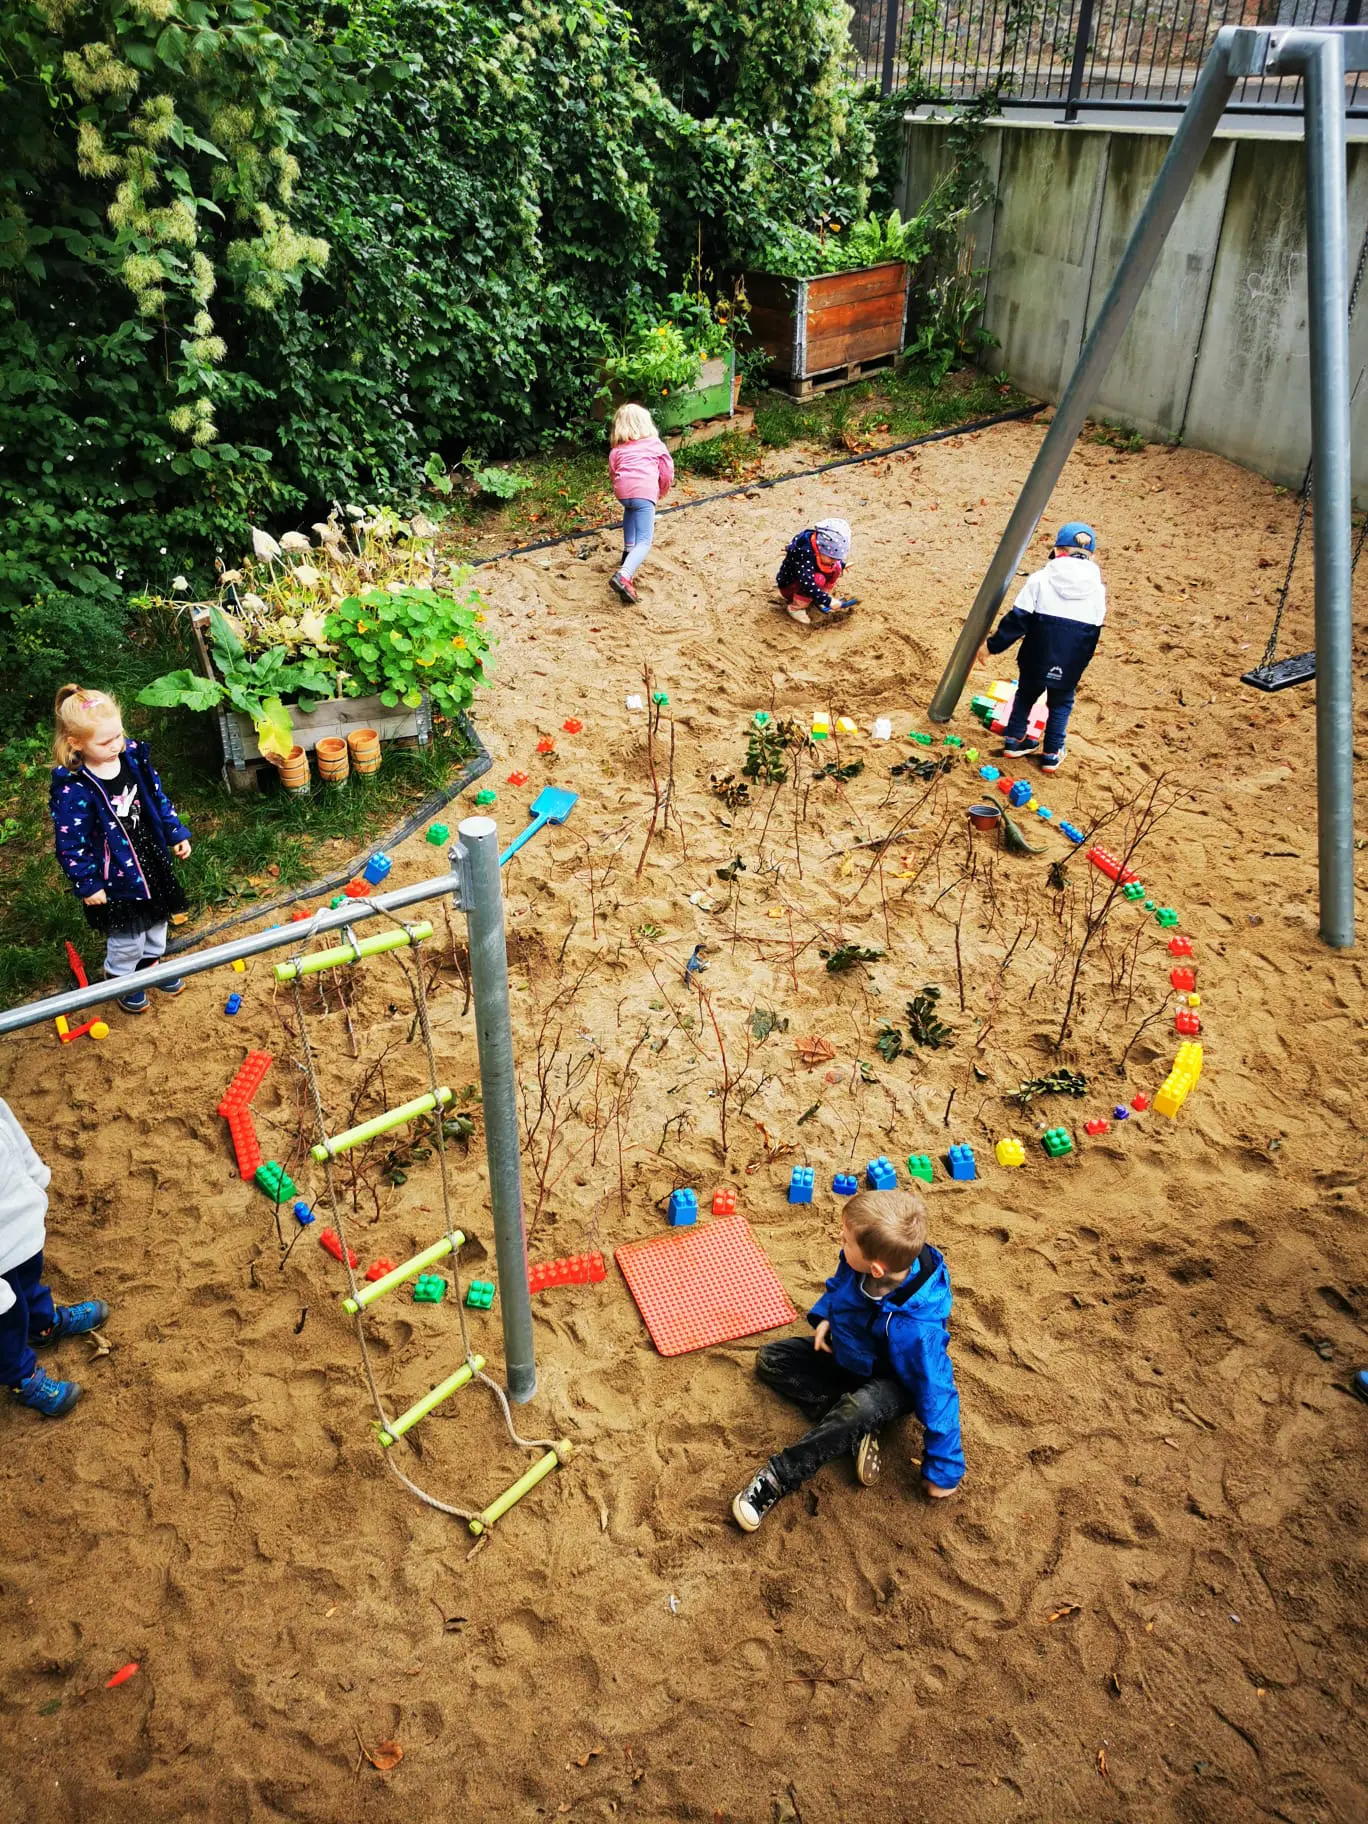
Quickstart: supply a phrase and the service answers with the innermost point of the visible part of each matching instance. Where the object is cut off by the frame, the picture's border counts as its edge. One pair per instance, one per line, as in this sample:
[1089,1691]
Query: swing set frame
[1320,57]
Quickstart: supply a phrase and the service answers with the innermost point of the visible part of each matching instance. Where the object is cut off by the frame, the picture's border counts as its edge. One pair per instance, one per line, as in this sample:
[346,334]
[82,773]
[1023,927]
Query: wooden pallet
[835,377]
[707,428]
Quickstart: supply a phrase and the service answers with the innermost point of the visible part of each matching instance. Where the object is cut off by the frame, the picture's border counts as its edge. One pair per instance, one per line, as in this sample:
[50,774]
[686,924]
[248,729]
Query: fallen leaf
[387,1756]
[814,1050]
[1102,1762]
[122,1676]
[331,1611]
[1070,1608]
[583,1760]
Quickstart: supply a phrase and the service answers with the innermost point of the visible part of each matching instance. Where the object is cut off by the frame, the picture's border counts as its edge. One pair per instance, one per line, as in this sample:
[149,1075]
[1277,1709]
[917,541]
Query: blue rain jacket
[1057,616]
[91,845]
[905,1334]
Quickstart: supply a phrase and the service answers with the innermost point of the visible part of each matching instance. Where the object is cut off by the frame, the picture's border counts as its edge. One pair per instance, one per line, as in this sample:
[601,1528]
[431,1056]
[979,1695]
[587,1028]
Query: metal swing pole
[1321,57]
[476,860]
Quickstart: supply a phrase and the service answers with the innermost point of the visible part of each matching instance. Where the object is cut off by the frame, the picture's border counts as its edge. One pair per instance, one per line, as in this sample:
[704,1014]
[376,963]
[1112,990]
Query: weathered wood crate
[243,762]
[830,330]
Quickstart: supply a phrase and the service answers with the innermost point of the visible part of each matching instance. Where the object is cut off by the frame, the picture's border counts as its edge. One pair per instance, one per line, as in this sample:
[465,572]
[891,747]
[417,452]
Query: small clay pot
[985,816]
[365,750]
[294,771]
[331,755]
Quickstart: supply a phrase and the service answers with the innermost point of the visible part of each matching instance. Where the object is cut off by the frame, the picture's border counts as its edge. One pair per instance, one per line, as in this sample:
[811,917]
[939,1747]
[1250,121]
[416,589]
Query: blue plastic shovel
[551,805]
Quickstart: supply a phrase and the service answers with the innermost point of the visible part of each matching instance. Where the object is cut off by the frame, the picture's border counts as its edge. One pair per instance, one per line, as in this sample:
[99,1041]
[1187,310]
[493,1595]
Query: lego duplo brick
[920,1166]
[801,1184]
[962,1164]
[710,1284]
[881,1174]
[1010,1152]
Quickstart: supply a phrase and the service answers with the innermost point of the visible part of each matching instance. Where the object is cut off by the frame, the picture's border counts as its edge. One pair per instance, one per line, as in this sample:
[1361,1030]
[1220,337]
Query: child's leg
[154,944]
[811,1378]
[866,1407]
[638,529]
[1029,686]
[31,1311]
[1060,704]
[124,951]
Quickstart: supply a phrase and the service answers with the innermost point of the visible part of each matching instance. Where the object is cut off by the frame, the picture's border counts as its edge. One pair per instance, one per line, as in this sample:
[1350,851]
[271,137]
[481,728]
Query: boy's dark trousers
[844,1406]
[31,1312]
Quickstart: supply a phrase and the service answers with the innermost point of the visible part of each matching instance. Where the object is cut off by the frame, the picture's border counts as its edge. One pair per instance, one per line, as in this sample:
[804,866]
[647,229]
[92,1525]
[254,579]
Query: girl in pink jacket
[643,471]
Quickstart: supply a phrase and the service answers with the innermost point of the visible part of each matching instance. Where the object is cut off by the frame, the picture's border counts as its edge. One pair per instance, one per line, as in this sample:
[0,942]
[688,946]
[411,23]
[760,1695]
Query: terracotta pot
[365,750]
[293,770]
[985,816]
[331,755]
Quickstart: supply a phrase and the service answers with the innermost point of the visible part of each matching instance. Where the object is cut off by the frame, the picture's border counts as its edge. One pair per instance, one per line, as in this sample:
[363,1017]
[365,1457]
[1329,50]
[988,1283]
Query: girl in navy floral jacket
[116,832]
[812,566]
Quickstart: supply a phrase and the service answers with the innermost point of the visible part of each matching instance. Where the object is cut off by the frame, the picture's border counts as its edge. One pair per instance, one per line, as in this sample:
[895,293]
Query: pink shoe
[624,586]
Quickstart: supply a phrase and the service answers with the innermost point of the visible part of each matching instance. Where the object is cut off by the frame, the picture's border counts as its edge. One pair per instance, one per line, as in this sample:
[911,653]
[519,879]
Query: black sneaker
[756,1499]
[866,1454]
[1051,763]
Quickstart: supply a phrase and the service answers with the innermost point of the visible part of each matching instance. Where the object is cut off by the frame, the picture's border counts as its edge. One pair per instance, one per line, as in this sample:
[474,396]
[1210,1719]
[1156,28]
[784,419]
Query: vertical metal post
[892,22]
[1200,120]
[476,859]
[1320,58]
[1080,52]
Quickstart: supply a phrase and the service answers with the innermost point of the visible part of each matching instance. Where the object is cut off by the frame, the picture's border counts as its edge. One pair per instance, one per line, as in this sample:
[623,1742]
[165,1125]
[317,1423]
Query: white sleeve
[7,1298]
[1025,602]
[33,1165]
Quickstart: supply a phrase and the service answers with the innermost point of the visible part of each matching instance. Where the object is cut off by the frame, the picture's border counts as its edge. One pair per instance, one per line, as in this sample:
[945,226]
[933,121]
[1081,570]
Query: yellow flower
[479,619]
[664,392]
[418,661]
[363,626]
[835,227]
[459,642]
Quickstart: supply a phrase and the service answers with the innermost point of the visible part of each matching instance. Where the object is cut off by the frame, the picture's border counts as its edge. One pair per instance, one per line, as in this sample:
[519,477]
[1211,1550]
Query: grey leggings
[124,950]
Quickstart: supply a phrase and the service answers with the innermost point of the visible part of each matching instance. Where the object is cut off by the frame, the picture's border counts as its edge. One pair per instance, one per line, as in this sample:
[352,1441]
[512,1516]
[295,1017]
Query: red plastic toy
[1096,1126]
[1180,946]
[234,1107]
[1110,866]
[1184,980]
[572,725]
[517,778]
[570,1270]
[77,966]
[1005,785]
[1140,1103]
[357,889]
[298,916]
[546,745]
[377,1269]
[328,1239]
[724,1203]
[1187,1023]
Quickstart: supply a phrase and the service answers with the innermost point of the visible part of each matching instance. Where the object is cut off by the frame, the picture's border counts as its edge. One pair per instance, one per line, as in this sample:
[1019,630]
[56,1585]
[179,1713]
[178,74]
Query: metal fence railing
[1076,55]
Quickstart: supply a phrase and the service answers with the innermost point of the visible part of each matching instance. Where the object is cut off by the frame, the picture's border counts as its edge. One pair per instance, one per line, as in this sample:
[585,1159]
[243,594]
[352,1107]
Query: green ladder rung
[410,1269]
[560,1452]
[421,1408]
[352,953]
[381,1124]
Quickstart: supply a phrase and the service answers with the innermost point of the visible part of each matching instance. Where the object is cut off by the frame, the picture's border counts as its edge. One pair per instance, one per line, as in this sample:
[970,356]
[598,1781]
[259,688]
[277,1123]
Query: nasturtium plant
[402,641]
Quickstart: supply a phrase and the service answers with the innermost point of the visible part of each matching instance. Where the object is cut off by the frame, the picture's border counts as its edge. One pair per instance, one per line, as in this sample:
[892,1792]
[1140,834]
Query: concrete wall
[1216,353]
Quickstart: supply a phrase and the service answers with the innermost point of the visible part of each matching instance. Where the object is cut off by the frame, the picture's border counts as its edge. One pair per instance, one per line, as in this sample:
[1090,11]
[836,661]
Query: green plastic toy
[439,833]
[275,1181]
[921,740]
[486,797]
[429,1289]
[1133,890]
[920,1166]
[660,699]
[479,1294]
[954,741]
[1165,916]
[1057,1141]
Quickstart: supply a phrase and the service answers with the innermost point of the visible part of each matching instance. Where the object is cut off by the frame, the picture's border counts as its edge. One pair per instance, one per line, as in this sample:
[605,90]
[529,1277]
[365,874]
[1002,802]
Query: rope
[1271,649]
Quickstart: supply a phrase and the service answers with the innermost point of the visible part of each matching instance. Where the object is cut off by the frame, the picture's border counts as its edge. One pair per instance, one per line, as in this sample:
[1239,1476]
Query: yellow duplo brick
[1010,1152]
[844,726]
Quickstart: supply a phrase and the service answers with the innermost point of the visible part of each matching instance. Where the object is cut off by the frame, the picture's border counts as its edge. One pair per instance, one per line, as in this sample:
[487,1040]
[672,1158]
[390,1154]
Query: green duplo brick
[921,740]
[1057,1141]
[480,1294]
[1133,890]
[275,1181]
[429,1289]
[1165,916]
[920,1166]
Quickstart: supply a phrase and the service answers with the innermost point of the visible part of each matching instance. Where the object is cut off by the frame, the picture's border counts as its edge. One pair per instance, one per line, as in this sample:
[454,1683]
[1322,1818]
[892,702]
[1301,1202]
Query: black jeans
[844,1406]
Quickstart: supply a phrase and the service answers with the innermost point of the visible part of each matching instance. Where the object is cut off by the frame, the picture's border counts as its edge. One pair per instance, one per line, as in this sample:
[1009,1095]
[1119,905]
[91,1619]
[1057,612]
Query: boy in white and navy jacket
[28,1317]
[1058,617]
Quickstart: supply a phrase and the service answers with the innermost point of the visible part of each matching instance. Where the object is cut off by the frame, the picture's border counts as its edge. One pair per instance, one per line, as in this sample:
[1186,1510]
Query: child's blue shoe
[1359,1383]
[175,987]
[1051,763]
[1023,744]
[43,1394]
[72,1320]
[135,1001]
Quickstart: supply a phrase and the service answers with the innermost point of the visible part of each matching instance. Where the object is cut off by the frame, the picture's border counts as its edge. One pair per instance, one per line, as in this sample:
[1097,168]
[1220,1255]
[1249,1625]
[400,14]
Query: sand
[1147,1601]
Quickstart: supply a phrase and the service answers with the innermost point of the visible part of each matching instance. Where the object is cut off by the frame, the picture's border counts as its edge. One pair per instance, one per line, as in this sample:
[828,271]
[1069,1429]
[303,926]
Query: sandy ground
[1147,1602]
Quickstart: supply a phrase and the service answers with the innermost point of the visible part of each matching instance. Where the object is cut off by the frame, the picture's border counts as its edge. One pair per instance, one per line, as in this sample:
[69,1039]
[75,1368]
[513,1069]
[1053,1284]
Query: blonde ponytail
[78,713]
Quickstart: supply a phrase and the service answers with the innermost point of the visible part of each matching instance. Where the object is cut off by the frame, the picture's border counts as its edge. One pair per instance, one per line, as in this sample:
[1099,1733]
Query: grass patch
[246,848]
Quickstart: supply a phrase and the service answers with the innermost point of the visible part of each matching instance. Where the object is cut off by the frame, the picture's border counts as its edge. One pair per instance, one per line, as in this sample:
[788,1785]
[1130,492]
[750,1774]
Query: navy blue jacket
[799,570]
[1058,617]
[905,1333]
[91,844]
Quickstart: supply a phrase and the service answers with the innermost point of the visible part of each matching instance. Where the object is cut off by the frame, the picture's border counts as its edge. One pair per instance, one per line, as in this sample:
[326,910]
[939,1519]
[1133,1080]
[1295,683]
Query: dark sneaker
[1014,750]
[43,1394]
[135,1001]
[755,1500]
[72,1320]
[867,1459]
[624,587]
[1051,763]
[175,987]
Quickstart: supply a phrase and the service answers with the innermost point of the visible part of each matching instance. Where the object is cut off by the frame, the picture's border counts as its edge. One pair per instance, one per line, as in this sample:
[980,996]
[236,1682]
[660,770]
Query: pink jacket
[641,470]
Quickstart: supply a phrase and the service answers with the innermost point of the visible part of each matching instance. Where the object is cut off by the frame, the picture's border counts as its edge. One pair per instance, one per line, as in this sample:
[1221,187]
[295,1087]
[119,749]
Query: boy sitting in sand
[812,566]
[880,1349]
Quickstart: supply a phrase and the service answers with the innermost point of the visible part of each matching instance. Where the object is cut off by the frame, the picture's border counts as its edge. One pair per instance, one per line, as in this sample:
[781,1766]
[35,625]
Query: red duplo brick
[1096,1126]
[1180,946]
[329,1240]
[1184,980]
[1186,1022]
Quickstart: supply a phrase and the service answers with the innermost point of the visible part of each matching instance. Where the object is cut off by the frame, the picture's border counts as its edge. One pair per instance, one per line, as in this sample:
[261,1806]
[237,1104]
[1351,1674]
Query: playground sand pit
[1147,1601]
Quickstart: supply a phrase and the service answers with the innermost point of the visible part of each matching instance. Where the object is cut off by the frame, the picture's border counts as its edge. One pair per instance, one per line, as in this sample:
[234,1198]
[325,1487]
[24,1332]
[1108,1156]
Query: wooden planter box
[821,332]
[242,756]
[711,398]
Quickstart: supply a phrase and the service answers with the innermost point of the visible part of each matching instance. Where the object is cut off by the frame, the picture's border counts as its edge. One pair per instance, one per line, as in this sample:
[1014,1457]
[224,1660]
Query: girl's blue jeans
[1059,704]
[638,529]
[31,1311]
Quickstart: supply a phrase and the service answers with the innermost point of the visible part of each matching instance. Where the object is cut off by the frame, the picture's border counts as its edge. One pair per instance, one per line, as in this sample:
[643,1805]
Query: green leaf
[224,637]
[182,689]
[274,729]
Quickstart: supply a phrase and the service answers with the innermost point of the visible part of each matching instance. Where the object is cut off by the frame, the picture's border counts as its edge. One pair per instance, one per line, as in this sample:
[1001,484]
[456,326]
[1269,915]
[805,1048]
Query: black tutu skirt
[125,917]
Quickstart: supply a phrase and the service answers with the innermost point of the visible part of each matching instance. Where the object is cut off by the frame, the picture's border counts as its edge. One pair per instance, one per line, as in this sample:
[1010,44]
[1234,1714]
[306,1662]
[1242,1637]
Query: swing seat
[1300,669]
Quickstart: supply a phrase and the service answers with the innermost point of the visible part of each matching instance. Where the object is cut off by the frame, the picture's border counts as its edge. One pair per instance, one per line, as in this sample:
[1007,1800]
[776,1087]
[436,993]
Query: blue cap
[1076,536]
